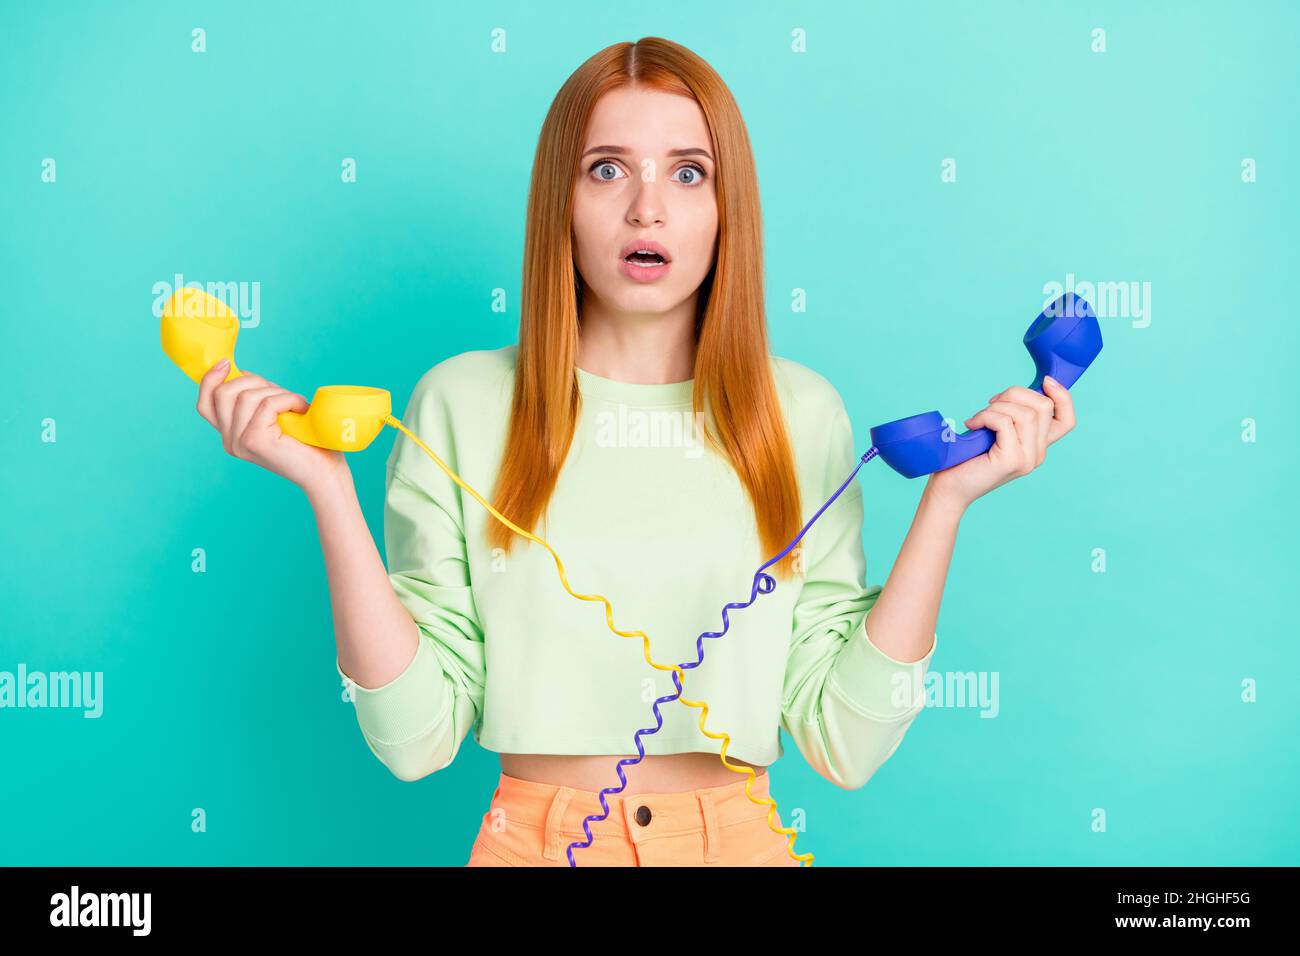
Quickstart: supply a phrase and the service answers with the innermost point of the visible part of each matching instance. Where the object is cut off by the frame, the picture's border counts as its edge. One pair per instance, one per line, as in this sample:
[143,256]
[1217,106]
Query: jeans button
[643,815]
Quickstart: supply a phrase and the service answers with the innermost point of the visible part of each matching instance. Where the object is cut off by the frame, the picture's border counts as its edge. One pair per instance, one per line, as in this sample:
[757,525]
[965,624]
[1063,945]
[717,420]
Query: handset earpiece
[1063,341]
[199,330]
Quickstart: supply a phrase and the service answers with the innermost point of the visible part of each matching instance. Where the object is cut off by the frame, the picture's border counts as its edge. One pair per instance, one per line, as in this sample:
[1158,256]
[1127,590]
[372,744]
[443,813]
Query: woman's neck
[644,348]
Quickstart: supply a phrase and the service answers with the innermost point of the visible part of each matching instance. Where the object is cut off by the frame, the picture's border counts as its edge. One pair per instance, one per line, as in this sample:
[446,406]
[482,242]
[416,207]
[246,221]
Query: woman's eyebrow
[622,150]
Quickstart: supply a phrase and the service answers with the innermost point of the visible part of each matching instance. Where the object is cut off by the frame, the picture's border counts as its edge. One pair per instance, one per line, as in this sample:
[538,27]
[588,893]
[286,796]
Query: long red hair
[734,389]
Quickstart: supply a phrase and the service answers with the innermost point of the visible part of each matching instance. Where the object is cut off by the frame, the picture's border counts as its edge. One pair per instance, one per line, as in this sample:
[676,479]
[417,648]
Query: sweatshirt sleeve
[845,703]
[416,722]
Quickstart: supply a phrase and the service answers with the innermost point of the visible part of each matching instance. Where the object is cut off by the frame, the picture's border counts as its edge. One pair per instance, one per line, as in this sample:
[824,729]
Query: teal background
[1119,690]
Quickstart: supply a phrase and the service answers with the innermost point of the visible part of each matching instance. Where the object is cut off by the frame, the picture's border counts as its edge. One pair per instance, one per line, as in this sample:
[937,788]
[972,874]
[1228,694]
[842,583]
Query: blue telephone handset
[1062,341]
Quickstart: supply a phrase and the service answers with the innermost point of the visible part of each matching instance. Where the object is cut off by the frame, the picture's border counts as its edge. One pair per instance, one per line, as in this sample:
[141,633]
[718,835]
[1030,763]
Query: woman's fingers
[1020,456]
[223,402]
[1042,407]
[207,385]
[246,405]
[262,427]
[1005,436]
[1063,409]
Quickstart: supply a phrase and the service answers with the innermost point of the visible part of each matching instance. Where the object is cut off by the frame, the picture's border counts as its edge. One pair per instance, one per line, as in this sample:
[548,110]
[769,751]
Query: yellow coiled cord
[803,858]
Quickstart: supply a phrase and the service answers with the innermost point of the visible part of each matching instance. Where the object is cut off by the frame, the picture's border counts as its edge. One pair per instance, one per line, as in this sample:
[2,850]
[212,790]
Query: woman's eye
[696,175]
[605,170]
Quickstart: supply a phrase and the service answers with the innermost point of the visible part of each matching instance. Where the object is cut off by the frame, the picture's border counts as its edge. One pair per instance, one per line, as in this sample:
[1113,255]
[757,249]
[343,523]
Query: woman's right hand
[245,411]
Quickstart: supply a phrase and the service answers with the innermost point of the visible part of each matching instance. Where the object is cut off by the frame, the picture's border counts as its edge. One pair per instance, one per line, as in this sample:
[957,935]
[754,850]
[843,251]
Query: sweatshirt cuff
[408,705]
[877,684]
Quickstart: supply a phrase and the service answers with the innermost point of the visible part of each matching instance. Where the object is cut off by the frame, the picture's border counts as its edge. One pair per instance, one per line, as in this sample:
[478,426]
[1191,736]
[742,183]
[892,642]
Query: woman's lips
[648,272]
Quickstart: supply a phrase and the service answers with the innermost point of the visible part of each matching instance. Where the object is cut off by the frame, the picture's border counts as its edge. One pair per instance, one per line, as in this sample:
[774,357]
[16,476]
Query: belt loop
[555,844]
[712,839]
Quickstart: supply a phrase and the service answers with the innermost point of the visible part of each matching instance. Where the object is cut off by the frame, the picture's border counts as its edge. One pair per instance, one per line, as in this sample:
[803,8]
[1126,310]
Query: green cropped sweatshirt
[647,514]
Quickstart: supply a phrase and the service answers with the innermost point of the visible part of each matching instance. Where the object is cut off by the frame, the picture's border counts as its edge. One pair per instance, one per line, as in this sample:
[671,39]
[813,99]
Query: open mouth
[645,259]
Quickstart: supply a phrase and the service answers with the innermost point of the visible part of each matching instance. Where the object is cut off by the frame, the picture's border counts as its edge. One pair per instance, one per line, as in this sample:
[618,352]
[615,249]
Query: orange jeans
[532,824]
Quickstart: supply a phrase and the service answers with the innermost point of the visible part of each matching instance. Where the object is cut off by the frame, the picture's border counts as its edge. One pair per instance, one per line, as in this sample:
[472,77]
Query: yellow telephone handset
[199,330]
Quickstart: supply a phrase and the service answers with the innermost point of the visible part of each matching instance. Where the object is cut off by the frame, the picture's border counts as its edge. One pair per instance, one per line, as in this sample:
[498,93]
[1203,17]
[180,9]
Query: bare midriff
[656,773]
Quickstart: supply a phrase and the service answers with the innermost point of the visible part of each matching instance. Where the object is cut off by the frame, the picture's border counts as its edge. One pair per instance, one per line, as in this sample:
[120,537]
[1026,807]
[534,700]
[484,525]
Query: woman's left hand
[1025,423]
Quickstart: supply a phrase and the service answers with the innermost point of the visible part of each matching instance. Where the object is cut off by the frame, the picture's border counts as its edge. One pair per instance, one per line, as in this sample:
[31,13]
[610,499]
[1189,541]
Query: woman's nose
[647,203]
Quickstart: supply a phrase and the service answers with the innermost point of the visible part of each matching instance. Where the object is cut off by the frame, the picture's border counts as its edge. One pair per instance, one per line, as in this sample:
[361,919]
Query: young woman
[641,427]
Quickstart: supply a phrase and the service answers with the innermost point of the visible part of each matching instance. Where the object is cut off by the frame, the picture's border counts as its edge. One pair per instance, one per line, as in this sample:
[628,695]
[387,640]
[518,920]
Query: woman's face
[646,175]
